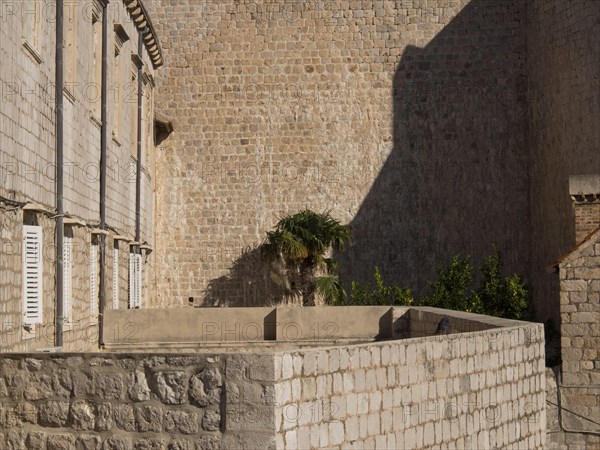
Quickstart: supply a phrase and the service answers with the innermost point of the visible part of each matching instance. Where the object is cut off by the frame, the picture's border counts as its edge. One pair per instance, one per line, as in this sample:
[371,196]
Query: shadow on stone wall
[260,281]
[456,178]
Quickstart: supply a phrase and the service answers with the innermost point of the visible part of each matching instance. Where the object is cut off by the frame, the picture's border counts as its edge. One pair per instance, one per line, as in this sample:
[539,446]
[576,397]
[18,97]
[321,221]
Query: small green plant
[379,294]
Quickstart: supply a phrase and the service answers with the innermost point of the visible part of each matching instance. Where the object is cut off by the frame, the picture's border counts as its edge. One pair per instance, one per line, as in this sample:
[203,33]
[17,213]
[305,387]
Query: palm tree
[303,240]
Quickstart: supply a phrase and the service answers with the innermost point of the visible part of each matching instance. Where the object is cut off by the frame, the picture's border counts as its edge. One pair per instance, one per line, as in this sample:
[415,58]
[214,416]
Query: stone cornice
[141,20]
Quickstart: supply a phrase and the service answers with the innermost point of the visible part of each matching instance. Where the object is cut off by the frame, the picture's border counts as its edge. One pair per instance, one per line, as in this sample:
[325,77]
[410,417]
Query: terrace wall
[483,389]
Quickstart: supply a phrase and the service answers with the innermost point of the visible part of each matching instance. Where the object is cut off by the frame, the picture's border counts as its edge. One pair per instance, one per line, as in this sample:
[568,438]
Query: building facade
[108,225]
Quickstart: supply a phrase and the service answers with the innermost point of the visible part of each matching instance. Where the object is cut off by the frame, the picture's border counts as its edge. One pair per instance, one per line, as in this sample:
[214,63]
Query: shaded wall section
[407,119]
[456,179]
[564,98]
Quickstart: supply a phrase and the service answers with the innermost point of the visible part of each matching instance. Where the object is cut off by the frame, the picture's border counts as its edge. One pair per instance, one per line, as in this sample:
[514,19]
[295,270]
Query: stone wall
[559,435]
[407,119]
[564,136]
[478,390]
[587,218]
[580,340]
[125,402]
[481,389]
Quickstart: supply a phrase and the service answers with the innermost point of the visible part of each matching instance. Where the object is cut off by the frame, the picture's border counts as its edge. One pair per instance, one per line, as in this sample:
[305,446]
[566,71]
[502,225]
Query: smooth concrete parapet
[189,325]
[326,324]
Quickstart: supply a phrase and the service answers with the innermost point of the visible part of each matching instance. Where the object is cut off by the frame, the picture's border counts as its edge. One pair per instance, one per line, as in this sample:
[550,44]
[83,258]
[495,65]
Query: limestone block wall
[476,390]
[580,340]
[113,402]
[406,118]
[559,431]
[564,136]
[483,389]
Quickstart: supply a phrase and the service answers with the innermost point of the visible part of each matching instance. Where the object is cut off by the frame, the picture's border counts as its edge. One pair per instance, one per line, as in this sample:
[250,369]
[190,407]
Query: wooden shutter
[32,274]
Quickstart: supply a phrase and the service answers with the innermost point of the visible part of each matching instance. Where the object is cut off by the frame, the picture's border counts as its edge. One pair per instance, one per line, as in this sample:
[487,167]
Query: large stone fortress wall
[564,98]
[406,118]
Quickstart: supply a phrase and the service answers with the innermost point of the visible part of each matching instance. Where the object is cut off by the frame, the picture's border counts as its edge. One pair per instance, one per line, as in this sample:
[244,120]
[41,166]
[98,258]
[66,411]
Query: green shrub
[452,290]
[379,294]
[496,295]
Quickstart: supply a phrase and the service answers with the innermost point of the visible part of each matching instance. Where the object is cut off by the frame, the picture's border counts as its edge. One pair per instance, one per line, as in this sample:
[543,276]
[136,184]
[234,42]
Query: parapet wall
[475,390]
[482,389]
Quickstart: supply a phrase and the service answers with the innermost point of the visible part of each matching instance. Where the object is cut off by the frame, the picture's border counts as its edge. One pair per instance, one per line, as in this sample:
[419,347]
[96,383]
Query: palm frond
[331,289]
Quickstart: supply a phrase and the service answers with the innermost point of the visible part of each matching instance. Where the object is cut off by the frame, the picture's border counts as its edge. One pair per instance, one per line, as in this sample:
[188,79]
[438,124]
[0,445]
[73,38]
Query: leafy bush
[379,294]
[453,290]
[496,295]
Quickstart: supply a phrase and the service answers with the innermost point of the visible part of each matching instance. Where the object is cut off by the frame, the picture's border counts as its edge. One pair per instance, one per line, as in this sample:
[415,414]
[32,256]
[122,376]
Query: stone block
[40,386]
[124,418]
[53,414]
[139,391]
[36,440]
[109,386]
[205,387]
[170,387]
[149,444]
[208,442]
[82,415]
[117,443]
[211,421]
[181,422]
[574,285]
[60,442]
[148,418]
[87,442]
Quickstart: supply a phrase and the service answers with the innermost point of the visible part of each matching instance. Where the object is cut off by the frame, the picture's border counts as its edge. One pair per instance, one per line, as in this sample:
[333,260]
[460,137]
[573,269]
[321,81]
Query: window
[148,122]
[67,274]
[131,98]
[117,96]
[116,275]
[32,274]
[94,251]
[120,38]
[31,14]
[135,280]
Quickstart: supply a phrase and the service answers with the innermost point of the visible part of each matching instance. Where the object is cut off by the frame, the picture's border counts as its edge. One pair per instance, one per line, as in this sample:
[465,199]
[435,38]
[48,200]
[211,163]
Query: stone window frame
[121,37]
[32,27]
[96,61]
[70,45]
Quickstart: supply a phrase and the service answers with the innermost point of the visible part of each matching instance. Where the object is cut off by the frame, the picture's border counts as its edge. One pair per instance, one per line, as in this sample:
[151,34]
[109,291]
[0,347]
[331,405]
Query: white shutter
[116,276]
[131,280]
[67,277]
[32,274]
[93,280]
[135,280]
[138,280]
